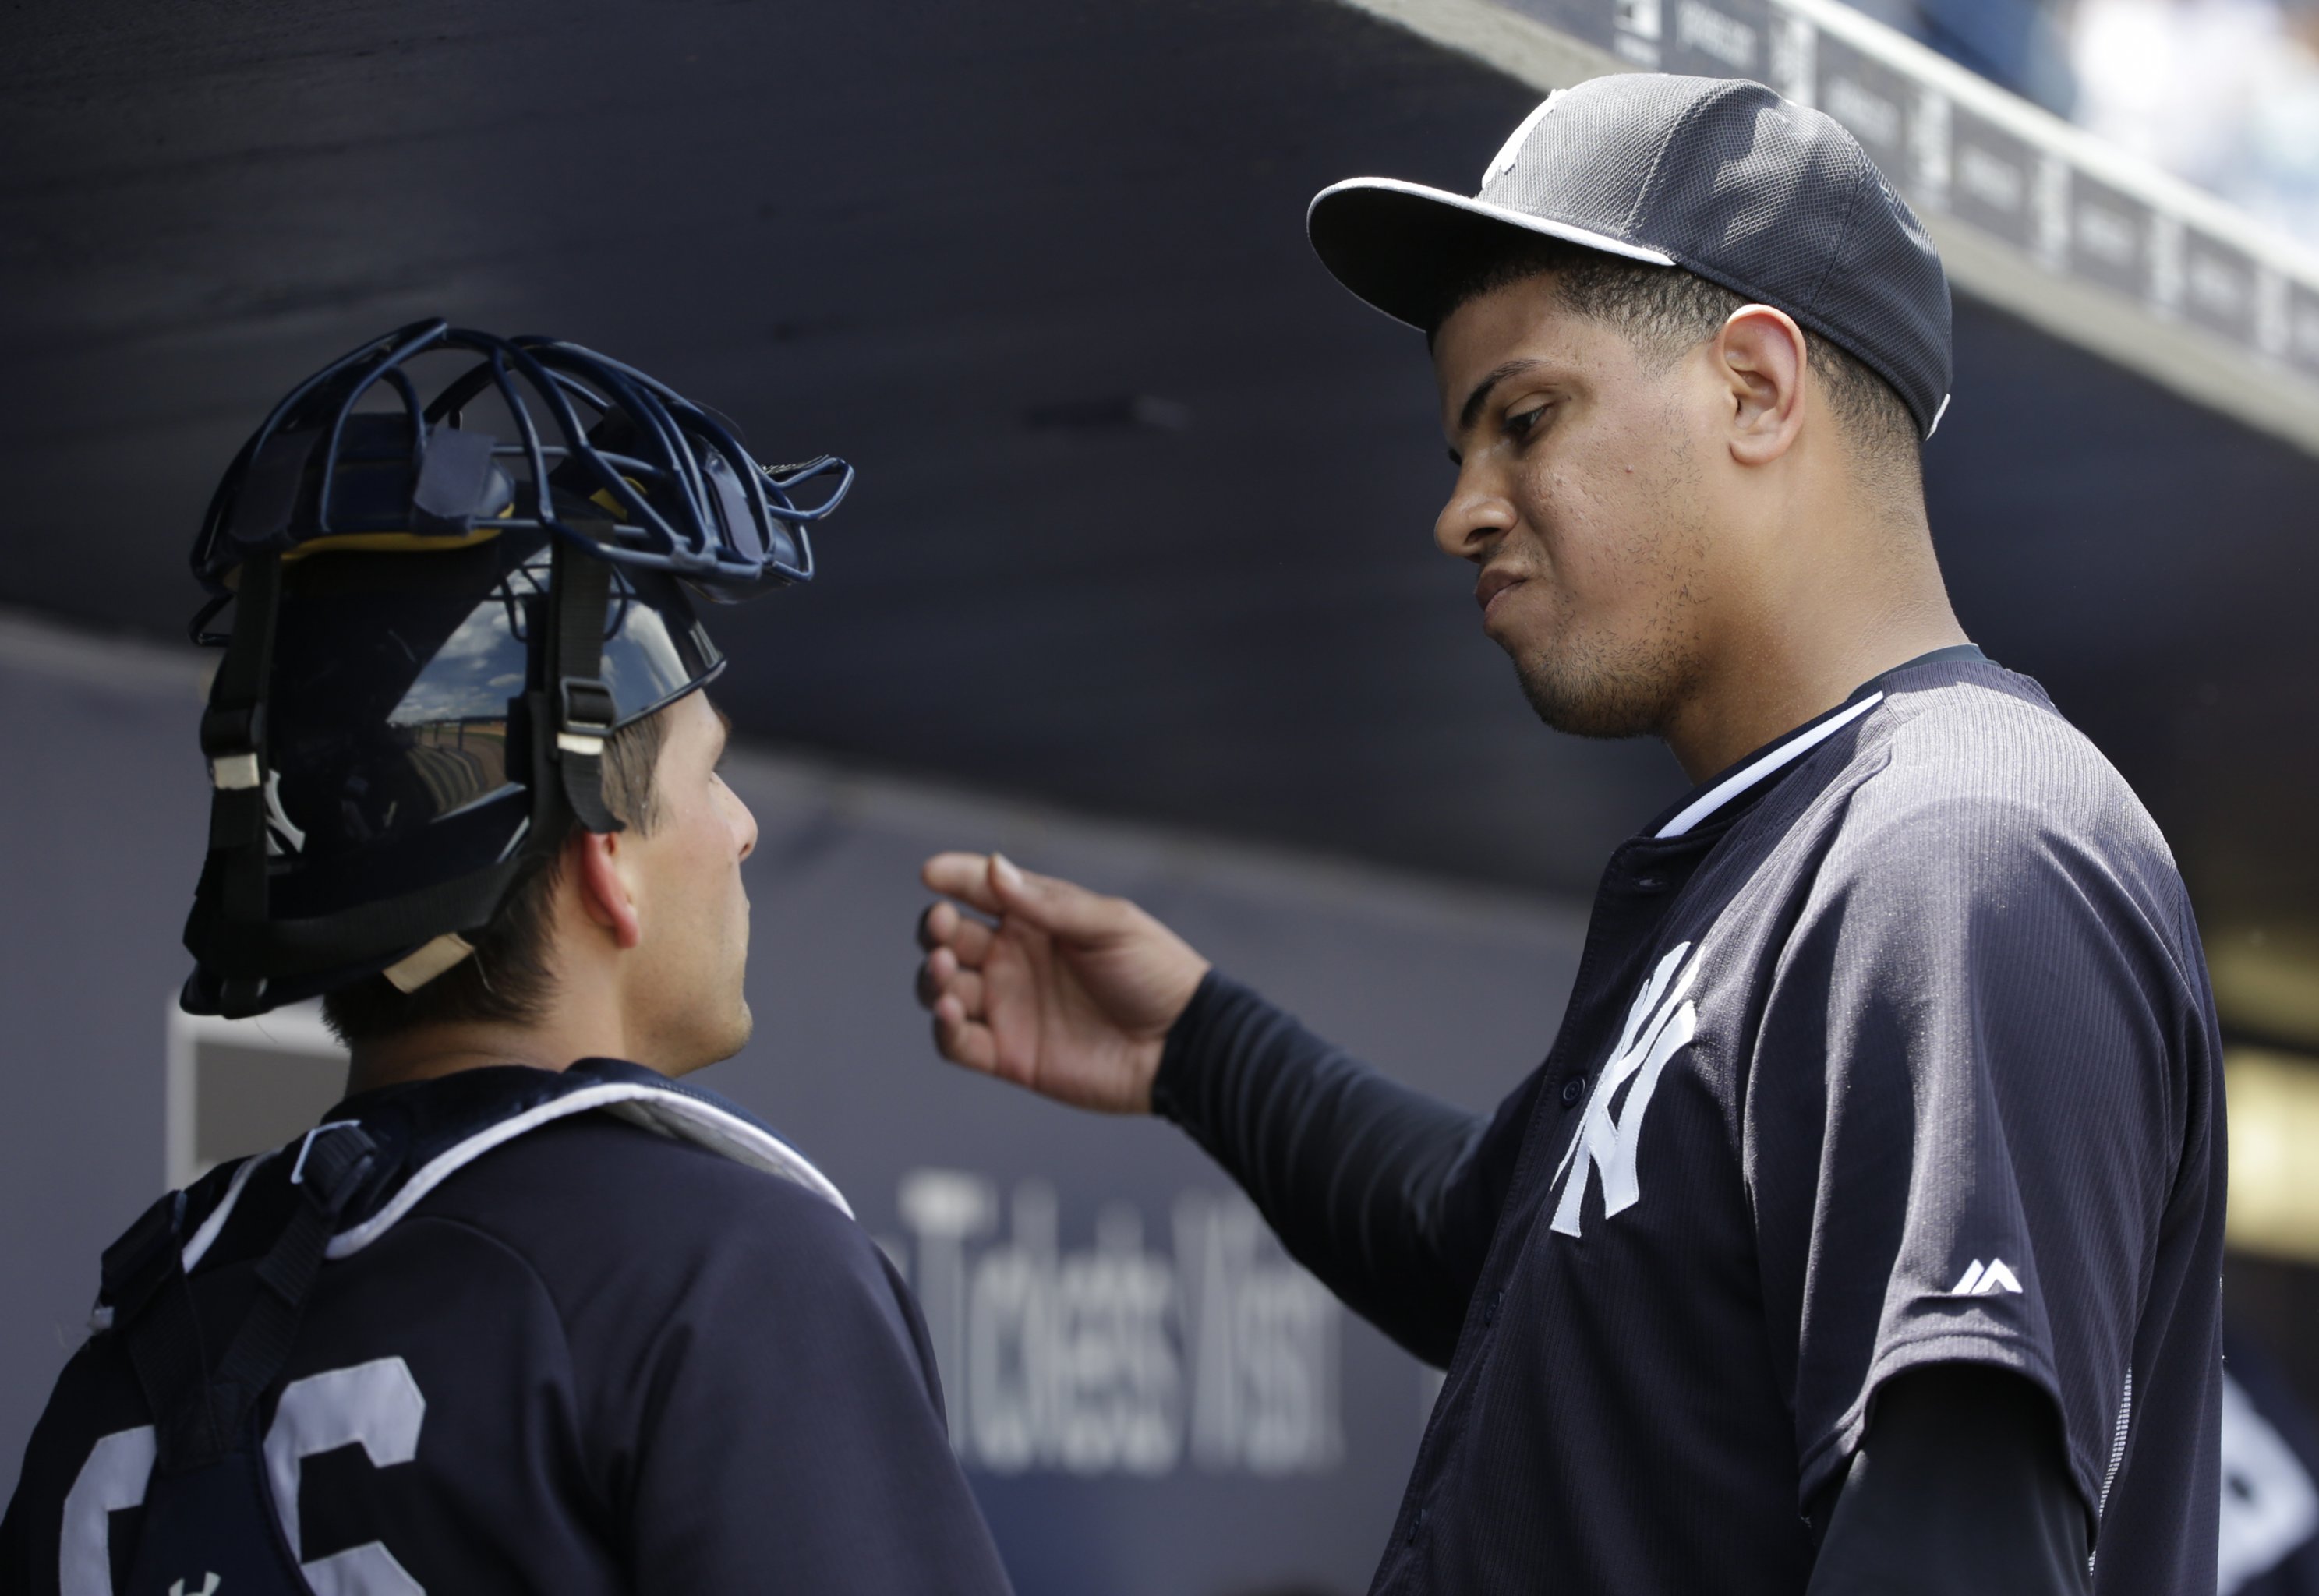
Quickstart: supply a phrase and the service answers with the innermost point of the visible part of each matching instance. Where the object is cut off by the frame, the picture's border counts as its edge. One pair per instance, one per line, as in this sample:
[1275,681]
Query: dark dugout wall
[1149,1396]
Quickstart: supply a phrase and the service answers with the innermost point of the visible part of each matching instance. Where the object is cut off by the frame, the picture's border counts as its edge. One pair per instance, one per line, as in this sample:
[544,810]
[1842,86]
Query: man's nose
[1472,522]
[748,827]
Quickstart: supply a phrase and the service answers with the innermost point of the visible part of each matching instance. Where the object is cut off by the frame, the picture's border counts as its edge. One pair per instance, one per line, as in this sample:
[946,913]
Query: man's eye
[1520,425]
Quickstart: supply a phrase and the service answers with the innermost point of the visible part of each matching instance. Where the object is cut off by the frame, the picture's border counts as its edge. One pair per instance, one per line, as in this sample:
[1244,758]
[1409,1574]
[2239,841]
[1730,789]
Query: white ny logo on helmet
[209,1587]
[1658,1026]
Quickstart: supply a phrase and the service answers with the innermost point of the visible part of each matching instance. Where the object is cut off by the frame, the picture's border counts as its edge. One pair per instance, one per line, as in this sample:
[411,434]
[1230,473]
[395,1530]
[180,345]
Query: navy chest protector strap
[207,1507]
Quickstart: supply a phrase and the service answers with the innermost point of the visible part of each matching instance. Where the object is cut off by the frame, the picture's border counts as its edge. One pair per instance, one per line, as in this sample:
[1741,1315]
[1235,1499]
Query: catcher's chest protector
[216,1491]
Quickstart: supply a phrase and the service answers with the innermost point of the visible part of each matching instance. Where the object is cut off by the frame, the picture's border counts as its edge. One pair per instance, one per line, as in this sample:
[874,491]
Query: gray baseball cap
[1719,176]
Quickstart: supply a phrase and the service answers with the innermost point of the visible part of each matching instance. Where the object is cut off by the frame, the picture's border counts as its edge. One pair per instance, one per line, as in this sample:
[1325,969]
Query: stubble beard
[1601,682]
[1588,692]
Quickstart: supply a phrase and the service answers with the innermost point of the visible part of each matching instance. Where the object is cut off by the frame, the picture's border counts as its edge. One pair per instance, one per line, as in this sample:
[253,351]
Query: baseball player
[523,1312]
[1862,1230]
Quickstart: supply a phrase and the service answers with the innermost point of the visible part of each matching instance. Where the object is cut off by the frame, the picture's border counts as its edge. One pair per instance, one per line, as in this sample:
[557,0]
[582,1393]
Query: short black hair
[507,977]
[1664,310]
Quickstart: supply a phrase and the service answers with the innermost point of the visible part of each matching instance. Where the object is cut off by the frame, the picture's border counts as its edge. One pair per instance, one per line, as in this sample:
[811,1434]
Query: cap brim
[1404,247]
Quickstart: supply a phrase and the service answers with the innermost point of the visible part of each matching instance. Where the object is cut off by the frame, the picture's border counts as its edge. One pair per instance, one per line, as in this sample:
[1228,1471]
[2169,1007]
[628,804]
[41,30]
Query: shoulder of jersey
[1993,738]
[605,1145]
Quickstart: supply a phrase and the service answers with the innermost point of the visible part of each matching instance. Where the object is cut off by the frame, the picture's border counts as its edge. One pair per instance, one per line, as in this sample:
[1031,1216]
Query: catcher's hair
[1666,311]
[507,978]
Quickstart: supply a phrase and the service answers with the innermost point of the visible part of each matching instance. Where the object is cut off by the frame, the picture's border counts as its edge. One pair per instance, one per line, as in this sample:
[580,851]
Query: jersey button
[1572,1090]
[1416,1525]
[1489,1310]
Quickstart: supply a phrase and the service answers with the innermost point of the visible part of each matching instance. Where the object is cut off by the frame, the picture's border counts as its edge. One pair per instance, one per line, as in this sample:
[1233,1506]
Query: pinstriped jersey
[1892,1046]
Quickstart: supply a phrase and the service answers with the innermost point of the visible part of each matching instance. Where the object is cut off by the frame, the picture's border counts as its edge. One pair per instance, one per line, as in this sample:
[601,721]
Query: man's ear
[595,860]
[1760,357]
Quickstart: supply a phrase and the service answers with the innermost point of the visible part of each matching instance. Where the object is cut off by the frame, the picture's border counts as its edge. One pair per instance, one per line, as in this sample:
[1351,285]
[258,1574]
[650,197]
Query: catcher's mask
[434,632]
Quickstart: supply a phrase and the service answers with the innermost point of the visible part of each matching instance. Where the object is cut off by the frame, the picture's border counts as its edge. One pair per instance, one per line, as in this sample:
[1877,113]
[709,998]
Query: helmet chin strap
[583,710]
[415,969]
[233,737]
[580,705]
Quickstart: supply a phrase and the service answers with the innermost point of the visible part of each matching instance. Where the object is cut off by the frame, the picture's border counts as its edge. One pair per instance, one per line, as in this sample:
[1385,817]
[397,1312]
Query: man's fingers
[966,985]
[962,1041]
[970,941]
[939,976]
[996,885]
[962,876]
[936,921]
[935,972]
[1051,903]
[942,926]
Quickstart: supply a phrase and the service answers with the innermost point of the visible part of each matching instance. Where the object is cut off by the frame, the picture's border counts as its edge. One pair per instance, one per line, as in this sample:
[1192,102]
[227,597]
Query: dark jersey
[1892,1046]
[591,1359]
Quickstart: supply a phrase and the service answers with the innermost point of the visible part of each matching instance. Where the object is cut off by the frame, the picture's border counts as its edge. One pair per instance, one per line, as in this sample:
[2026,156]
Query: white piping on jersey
[672,1114]
[1787,754]
[2116,1445]
[2117,1457]
[208,1233]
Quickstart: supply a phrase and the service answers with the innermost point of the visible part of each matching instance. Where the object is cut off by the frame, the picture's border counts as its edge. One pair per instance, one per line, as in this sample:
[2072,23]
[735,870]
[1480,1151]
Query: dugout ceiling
[1143,518]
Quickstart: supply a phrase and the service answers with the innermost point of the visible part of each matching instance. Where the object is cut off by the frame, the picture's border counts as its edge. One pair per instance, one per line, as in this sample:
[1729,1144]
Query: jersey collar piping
[1764,765]
[431,1130]
[1751,772]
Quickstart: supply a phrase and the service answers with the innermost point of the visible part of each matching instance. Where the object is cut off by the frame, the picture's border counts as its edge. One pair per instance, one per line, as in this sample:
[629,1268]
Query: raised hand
[1069,993]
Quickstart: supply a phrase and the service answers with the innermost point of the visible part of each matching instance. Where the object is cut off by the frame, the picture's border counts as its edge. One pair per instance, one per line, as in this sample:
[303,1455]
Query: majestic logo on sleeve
[1978,1281]
[1659,1026]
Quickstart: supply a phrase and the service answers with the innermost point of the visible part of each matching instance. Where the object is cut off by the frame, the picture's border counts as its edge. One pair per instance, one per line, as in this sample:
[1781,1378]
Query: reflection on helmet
[395,680]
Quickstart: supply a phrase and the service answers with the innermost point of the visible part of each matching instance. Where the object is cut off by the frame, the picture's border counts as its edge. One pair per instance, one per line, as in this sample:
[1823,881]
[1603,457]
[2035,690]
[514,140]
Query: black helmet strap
[579,707]
[233,739]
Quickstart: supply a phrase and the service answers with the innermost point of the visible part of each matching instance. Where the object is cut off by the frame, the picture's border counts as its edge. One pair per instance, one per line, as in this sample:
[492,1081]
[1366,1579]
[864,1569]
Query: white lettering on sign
[2106,235]
[1870,115]
[1121,1358]
[1994,182]
[2217,286]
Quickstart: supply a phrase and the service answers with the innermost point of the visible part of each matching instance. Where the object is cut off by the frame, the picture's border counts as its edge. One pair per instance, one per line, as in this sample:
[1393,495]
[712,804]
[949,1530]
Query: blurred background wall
[1137,585]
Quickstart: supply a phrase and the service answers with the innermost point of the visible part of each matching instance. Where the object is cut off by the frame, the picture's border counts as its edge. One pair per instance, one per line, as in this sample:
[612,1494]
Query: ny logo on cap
[1510,151]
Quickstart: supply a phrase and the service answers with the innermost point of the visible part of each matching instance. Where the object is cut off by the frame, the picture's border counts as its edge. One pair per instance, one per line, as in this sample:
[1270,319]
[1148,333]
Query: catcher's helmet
[435,630]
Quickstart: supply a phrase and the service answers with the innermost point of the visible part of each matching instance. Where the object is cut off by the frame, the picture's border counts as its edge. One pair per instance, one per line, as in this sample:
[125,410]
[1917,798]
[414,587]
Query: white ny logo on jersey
[1656,1030]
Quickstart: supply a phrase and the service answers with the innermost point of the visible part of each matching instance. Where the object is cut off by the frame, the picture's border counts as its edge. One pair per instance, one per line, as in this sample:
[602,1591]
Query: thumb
[1064,908]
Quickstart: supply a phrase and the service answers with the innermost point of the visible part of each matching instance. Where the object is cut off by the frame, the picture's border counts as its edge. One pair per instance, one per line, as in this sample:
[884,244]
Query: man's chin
[1600,704]
[715,1047]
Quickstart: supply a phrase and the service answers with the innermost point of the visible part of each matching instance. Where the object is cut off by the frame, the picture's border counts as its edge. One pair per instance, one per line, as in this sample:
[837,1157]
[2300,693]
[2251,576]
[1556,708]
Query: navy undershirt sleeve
[1958,1486]
[1387,1196]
